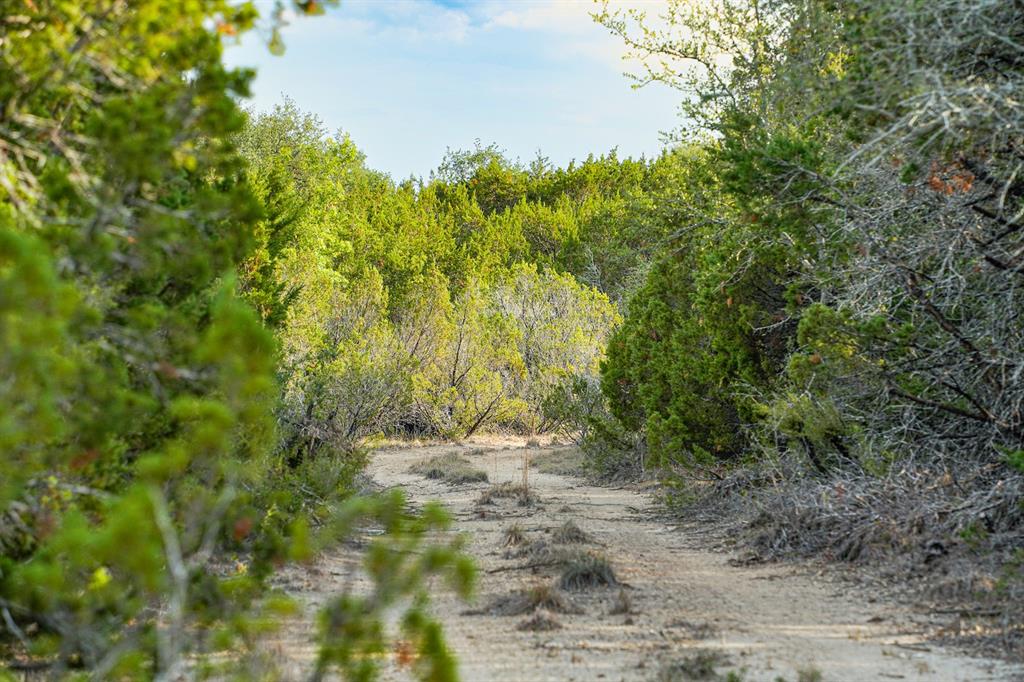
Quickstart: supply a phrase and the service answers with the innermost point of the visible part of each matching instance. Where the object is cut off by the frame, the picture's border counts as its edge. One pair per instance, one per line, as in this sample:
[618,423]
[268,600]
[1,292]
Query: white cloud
[561,16]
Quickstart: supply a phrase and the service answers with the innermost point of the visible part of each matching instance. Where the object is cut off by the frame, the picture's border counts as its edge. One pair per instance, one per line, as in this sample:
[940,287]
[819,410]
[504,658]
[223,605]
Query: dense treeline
[434,308]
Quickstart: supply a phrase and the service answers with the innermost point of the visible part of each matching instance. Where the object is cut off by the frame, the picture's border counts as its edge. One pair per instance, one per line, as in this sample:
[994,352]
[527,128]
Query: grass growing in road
[516,491]
[570,534]
[539,622]
[540,596]
[513,536]
[584,571]
[702,665]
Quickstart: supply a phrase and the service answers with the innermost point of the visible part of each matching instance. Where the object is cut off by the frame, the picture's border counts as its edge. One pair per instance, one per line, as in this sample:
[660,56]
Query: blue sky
[409,78]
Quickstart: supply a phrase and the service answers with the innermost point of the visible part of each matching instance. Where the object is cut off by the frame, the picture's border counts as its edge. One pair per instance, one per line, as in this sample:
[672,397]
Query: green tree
[139,385]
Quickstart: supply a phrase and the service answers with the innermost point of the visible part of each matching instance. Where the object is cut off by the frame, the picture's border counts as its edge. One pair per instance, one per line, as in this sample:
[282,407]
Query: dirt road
[688,607]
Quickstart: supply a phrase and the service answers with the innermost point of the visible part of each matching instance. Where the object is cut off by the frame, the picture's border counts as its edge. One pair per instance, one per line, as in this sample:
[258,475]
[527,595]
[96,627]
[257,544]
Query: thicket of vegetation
[145,493]
[833,328]
[435,308]
[846,271]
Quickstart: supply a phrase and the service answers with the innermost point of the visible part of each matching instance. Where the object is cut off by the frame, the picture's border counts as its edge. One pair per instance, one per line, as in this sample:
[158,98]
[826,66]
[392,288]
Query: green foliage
[270,296]
[400,563]
[137,409]
[429,310]
[712,325]
[561,328]
[473,380]
[847,253]
[662,375]
[118,240]
[1016,459]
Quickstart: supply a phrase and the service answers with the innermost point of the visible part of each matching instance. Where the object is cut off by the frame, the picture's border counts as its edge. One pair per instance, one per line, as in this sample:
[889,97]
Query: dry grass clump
[541,553]
[507,490]
[513,536]
[570,534]
[703,665]
[562,462]
[580,570]
[540,596]
[539,622]
[451,468]
[584,571]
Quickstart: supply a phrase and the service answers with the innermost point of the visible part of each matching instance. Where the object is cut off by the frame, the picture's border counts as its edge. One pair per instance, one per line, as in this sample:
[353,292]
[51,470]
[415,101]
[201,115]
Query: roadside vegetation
[826,353]
[155,473]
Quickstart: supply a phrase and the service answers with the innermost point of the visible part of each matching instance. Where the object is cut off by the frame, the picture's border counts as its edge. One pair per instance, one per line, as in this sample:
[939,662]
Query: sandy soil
[765,622]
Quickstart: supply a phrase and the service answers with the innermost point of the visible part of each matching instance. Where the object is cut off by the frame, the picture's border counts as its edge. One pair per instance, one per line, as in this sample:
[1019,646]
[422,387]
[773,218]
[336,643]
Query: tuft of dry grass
[451,468]
[539,622]
[570,534]
[516,491]
[809,675]
[584,571]
[540,596]
[513,536]
[540,553]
